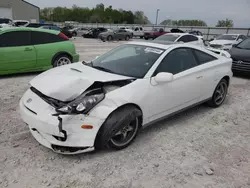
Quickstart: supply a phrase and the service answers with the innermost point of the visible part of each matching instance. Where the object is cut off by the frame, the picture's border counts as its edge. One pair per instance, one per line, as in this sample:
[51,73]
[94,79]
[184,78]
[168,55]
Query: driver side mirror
[163,77]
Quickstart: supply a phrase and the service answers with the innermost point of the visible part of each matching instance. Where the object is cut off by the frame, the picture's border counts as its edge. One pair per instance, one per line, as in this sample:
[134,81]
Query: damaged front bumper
[62,134]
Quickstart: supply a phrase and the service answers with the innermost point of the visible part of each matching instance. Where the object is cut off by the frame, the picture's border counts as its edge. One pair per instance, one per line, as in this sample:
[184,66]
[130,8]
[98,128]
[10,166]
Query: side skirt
[174,113]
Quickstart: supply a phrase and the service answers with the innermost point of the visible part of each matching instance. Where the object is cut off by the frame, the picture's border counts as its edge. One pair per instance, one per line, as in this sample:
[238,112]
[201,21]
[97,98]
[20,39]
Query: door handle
[199,77]
[28,49]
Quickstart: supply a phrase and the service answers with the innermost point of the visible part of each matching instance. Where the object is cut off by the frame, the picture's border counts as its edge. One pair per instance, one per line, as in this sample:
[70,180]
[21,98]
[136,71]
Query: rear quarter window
[44,38]
[203,57]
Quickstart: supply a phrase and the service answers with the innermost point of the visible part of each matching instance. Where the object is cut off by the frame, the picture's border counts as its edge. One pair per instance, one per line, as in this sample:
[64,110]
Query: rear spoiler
[220,52]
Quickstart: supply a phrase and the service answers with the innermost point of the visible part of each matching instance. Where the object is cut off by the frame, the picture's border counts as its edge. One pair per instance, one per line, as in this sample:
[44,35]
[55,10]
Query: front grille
[217,46]
[241,66]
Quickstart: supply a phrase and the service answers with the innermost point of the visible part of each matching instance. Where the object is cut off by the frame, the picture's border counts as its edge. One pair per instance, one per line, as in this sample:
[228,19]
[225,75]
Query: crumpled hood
[67,82]
[222,42]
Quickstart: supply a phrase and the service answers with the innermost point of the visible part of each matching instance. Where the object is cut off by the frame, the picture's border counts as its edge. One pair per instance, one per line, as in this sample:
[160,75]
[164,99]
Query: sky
[208,10]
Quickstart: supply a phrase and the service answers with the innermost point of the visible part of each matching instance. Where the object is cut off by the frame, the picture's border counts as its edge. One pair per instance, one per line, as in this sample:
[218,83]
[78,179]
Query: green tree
[98,14]
[225,23]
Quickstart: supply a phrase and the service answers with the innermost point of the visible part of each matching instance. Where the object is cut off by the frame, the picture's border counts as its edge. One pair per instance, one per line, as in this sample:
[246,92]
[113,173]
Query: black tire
[146,38]
[74,34]
[127,37]
[109,38]
[214,102]
[141,37]
[115,123]
[66,57]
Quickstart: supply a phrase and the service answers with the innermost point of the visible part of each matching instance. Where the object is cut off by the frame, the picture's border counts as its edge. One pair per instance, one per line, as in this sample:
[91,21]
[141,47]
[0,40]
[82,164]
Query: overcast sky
[207,10]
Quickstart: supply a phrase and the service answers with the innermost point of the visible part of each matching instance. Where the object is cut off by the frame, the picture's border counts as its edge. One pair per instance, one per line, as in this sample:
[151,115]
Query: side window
[141,28]
[184,38]
[15,38]
[44,38]
[136,29]
[192,38]
[177,61]
[203,57]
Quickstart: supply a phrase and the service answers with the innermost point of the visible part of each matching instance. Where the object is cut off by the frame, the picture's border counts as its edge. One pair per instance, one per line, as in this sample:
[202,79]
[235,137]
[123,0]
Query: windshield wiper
[103,69]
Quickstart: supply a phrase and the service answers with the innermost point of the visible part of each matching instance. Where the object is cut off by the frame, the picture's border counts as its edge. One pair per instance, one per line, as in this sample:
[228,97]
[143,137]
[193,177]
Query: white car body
[227,44]
[5,25]
[137,31]
[198,41]
[156,101]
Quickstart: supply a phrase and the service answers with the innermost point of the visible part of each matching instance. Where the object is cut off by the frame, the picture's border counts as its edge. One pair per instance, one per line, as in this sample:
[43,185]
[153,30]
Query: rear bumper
[46,130]
[76,58]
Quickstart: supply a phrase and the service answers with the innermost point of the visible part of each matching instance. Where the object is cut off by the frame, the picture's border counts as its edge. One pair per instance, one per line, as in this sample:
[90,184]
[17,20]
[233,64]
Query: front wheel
[219,94]
[120,129]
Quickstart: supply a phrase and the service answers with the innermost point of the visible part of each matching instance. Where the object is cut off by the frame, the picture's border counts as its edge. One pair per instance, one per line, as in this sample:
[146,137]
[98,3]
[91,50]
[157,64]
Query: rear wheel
[74,34]
[109,38]
[61,60]
[220,94]
[146,38]
[127,37]
[120,129]
[141,37]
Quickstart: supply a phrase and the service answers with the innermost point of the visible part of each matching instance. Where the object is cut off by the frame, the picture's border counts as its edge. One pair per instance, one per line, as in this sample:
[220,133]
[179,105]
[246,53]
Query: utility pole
[157,12]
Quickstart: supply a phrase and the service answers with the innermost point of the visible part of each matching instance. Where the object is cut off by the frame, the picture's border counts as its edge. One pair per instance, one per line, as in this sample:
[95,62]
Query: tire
[141,37]
[109,38]
[62,59]
[219,94]
[127,38]
[74,34]
[146,38]
[126,119]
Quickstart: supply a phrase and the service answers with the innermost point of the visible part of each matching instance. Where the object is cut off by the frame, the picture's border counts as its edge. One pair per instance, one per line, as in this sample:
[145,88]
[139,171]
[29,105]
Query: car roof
[9,29]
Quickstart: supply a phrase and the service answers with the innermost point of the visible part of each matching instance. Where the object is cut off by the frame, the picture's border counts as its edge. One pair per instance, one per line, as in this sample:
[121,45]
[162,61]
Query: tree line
[220,23]
[102,14]
[99,14]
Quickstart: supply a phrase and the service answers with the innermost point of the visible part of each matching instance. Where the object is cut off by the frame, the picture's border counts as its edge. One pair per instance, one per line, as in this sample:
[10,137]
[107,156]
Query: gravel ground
[200,148]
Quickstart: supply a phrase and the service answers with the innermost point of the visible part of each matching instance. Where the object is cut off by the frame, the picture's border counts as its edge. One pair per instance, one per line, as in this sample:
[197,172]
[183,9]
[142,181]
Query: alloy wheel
[63,61]
[220,93]
[126,134]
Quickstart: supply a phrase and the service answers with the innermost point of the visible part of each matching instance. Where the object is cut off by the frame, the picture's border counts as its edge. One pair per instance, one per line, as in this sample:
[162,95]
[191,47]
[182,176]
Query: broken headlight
[82,104]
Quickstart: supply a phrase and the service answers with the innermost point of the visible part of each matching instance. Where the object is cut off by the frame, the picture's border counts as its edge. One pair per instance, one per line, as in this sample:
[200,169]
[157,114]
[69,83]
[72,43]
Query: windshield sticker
[154,50]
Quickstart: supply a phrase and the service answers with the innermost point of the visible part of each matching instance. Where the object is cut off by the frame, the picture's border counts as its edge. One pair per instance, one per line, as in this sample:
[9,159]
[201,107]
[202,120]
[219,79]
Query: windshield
[227,37]
[168,37]
[128,60]
[245,44]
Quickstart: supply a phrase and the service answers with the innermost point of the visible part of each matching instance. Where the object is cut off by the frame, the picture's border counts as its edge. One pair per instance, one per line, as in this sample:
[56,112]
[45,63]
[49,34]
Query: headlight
[82,104]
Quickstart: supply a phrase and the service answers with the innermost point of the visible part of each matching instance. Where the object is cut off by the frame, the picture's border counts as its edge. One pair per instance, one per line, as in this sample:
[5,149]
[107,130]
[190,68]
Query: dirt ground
[200,148]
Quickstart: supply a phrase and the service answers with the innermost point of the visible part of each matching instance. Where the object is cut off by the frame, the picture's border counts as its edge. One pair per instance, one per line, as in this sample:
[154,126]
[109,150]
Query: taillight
[63,36]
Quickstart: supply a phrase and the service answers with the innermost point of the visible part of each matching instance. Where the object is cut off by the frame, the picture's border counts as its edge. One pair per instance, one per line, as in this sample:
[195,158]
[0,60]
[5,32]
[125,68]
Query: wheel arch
[227,78]
[61,53]
[113,111]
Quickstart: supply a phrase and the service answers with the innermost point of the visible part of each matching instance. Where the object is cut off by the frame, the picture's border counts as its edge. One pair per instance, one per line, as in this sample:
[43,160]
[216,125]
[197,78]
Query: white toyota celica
[104,103]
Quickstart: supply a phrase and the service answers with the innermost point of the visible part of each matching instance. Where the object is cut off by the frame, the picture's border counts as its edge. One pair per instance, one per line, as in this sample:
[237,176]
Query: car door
[209,71]
[16,51]
[183,91]
[46,45]
[120,34]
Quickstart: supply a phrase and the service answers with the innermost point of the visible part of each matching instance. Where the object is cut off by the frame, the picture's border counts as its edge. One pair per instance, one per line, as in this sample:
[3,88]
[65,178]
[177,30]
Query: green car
[31,49]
